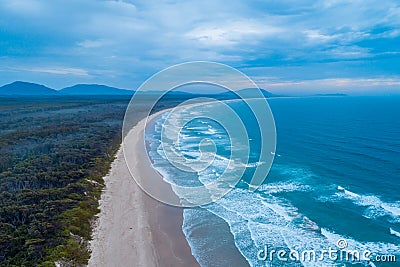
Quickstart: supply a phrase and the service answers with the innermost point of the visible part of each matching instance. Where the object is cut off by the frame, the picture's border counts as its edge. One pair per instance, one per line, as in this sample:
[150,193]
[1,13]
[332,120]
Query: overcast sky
[285,46]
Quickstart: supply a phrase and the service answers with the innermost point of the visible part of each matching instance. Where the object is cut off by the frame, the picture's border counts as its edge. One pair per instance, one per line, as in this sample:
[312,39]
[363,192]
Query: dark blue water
[335,176]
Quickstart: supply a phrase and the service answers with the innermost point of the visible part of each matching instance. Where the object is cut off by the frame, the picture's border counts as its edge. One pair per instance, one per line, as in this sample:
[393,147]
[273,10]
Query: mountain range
[20,88]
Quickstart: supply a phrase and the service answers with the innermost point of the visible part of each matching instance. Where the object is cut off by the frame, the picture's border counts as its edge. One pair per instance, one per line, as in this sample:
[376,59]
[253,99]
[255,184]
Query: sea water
[335,178]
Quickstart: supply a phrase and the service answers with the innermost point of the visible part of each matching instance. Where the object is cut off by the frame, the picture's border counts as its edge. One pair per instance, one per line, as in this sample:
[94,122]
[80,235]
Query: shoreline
[132,228]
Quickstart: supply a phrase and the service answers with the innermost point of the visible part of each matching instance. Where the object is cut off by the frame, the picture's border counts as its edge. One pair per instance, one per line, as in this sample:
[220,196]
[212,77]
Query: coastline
[132,228]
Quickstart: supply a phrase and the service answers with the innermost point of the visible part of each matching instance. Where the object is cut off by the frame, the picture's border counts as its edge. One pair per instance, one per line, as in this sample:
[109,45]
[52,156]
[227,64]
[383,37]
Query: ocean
[333,185]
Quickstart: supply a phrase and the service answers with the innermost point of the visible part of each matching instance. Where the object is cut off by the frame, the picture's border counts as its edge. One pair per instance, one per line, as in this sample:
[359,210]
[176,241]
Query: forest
[54,154]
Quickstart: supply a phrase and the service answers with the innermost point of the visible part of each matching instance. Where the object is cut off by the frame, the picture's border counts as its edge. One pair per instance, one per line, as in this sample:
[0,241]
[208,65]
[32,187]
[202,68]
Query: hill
[94,89]
[248,93]
[20,88]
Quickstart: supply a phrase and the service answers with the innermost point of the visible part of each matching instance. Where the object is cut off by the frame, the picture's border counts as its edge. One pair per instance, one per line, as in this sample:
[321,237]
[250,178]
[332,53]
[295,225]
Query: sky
[287,46]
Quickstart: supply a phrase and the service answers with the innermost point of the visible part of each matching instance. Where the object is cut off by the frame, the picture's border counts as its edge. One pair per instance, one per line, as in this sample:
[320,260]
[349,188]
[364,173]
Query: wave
[349,193]
[256,221]
[393,232]
[278,187]
[254,164]
[377,208]
[392,208]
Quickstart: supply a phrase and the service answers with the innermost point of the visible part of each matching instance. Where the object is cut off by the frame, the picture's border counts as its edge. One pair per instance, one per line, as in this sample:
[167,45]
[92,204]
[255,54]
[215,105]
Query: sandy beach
[133,229]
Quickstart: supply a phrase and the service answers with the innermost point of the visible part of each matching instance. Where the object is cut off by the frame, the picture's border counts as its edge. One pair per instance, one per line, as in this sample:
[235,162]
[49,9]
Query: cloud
[94,43]
[232,33]
[342,82]
[63,71]
[24,7]
[50,70]
[128,41]
[352,86]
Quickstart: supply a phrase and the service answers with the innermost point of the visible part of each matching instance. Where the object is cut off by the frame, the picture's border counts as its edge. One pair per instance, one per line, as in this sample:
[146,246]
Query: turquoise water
[335,176]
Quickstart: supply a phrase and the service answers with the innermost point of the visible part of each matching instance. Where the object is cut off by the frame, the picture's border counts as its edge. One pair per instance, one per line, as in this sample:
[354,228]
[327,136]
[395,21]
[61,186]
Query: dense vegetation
[53,154]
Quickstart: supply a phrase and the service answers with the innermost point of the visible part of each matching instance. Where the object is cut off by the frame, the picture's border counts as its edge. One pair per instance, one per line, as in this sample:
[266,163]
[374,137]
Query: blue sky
[291,47]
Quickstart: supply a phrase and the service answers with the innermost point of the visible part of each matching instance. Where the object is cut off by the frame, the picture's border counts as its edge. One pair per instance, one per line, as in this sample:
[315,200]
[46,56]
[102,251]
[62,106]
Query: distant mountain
[31,89]
[94,89]
[166,93]
[249,93]
[19,88]
[337,94]
[253,92]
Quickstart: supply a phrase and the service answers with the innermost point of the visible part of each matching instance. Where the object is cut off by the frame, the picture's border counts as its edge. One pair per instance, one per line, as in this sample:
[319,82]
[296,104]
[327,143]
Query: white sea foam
[256,220]
[278,209]
[376,207]
[265,221]
[392,208]
[279,187]
[254,164]
[351,194]
[273,153]
[393,232]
